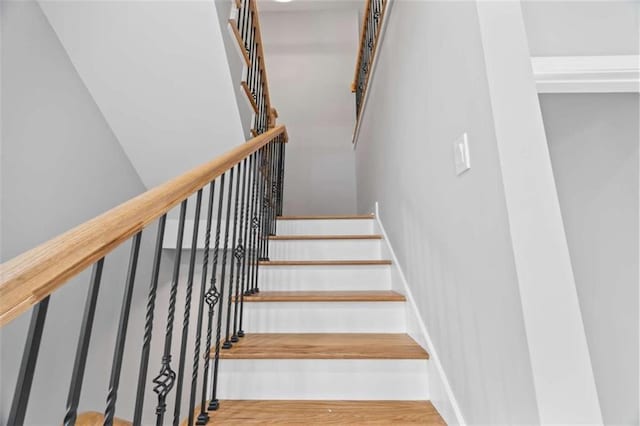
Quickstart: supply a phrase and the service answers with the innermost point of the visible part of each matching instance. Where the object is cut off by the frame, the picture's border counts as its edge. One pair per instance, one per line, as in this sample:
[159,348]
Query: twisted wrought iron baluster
[165,379]
[253,253]
[211,298]
[236,255]
[187,310]
[239,253]
[148,326]
[203,291]
[214,403]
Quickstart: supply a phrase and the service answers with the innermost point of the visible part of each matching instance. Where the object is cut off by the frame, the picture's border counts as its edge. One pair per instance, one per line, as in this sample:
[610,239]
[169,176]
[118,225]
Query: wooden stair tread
[325,346]
[323,262]
[326,237]
[326,296]
[328,217]
[93,418]
[326,412]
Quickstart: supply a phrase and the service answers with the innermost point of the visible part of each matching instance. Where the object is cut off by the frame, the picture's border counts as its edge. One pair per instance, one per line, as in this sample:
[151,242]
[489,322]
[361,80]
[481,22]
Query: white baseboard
[440,391]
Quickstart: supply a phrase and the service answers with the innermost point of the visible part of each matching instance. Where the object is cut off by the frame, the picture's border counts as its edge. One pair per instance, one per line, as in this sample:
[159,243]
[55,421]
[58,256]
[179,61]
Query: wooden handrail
[30,277]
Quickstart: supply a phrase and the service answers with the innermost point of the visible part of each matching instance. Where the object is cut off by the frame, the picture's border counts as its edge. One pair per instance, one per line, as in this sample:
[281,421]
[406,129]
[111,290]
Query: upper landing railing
[246,30]
[373,16]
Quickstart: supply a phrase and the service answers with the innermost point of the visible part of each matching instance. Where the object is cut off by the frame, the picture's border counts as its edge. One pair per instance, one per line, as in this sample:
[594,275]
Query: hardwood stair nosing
[322,412]
[326,346]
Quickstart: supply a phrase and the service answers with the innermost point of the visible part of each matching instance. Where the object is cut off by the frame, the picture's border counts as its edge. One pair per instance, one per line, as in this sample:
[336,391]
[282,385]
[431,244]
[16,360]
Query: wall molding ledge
[587,74]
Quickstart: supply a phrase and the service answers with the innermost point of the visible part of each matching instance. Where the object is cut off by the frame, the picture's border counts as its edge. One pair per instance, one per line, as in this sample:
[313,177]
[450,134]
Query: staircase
[328,340]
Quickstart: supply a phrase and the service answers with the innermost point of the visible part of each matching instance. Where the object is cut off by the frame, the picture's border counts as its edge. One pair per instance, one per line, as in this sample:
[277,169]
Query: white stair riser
[325,278]
[323,379]
[324,249]
[325,227]
[324,317]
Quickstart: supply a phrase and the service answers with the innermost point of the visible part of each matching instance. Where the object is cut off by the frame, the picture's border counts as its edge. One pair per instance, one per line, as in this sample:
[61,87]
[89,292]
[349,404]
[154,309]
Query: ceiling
[309,5]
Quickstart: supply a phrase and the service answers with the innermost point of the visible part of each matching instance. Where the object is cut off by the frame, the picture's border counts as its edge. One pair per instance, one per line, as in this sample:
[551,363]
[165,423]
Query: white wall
[593,141]
[484,252]
[576,28]
[159,73]
[61,165]
[310,58]
[450,234]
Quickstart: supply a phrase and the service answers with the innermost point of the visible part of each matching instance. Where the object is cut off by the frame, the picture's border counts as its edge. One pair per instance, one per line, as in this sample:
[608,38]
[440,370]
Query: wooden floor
[325,296]
[325,346]
[93,418]
[326,412]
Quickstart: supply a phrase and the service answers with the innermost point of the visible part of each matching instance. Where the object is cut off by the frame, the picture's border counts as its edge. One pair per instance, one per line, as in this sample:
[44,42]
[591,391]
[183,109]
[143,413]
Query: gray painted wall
[310,58]
[575,28]
[450,233]
[61,165]
[593,142]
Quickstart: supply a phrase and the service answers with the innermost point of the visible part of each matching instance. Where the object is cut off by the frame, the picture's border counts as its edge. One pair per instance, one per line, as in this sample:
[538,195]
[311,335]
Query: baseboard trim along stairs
[326,336]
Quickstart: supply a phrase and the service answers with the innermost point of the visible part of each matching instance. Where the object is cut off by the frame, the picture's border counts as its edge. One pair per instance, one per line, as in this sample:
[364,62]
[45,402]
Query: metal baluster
[253,252]
[165,379]
[263,106]
[28,363]
[269,196]
[250,24]
[367,47]
[212,297]
[246,268]
[234,259]
[274,186]
[262,103]
[281,175]
[148,327]
[214,403]
[75,388]
[251,69]
[255,66]
[265,205]
[239,252]
[269,189]
[262,206]
[187,309]
[202,301]
[259,101]
[276,177]
[118,352]
[242,24]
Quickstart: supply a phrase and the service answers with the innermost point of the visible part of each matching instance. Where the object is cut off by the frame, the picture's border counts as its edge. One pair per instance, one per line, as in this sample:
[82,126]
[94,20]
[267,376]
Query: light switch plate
[461,154]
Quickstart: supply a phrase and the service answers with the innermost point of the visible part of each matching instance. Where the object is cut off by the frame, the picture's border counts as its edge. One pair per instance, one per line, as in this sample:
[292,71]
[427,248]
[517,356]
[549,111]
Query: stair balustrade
[245,193]
[245,190]
[246,28]
[372,18]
